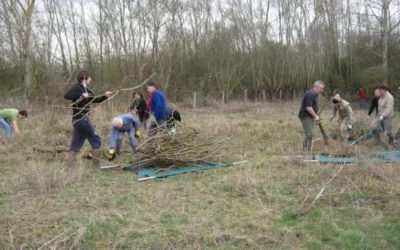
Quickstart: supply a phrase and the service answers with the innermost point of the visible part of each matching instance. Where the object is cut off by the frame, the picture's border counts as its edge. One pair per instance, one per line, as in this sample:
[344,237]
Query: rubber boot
[71,162]
[96,157]
[390,140]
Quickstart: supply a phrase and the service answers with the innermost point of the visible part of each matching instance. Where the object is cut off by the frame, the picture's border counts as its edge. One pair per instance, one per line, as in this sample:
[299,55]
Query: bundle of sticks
[178,148]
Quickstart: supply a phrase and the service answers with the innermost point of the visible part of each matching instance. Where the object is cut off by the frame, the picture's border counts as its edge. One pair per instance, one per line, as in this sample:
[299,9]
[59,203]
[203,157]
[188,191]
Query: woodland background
[207,46]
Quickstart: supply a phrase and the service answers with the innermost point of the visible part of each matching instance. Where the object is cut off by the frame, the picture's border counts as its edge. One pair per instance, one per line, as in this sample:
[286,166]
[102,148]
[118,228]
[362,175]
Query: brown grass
[243,207]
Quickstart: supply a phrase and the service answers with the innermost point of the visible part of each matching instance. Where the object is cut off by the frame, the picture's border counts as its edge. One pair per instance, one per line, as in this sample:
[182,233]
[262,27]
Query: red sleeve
[148,104]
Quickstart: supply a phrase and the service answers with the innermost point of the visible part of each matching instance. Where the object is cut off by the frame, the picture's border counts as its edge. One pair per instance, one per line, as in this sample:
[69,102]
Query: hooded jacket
[343,108]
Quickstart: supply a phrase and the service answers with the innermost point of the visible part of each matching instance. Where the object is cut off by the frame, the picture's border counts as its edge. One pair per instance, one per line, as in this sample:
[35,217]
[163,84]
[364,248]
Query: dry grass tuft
[250,206]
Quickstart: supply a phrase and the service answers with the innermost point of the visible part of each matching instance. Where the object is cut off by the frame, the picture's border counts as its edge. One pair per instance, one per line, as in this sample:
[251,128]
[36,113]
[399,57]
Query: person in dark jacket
[373,106]
[157,106]
[308,113]
[173,115]
[82,96]
[138,107]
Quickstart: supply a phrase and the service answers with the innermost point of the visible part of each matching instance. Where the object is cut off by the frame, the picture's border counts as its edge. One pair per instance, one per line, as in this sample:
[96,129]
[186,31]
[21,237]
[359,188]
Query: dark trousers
[308,126]
[84,129]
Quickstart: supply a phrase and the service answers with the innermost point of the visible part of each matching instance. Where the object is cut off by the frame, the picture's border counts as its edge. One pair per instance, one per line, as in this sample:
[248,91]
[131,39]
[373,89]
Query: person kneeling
[124,123]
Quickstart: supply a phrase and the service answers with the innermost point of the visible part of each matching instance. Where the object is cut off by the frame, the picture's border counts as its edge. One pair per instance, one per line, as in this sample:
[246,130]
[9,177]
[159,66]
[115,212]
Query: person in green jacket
[8,120]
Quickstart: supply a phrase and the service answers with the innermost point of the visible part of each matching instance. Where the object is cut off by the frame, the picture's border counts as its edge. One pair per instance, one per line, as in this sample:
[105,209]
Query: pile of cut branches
[185,146]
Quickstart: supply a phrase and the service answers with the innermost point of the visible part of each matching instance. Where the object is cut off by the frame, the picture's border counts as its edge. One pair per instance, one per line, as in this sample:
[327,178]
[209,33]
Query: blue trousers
[116,136]
[6,127]
[83,129]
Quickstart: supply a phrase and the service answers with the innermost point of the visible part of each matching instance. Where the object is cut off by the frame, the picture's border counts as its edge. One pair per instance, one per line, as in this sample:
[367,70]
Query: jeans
[6,127]
[116,136]
[308,126]
[83,129]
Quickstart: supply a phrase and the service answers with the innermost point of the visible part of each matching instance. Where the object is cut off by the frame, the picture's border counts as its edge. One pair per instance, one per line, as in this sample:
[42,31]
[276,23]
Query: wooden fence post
[194,100]
[245,96]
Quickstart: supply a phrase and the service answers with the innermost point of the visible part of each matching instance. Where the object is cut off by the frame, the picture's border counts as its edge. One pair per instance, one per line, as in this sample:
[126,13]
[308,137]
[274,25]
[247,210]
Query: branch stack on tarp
[186,146]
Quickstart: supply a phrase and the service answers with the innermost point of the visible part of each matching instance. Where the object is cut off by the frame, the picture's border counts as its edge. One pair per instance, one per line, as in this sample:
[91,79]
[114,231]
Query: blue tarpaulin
[154,172]
[380,157]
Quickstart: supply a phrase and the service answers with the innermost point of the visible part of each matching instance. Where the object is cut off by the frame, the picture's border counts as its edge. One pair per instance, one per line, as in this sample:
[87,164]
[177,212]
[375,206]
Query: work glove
[381,118]
[316,120]
[111,154]
[349,127]
[172,131]
[137,134]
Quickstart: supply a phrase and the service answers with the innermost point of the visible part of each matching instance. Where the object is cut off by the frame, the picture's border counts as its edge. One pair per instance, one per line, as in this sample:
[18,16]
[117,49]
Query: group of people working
[382,103]
[163,117]
[83,128]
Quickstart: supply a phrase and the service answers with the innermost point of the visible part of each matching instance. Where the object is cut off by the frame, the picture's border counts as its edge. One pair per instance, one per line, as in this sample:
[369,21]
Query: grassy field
[266,203]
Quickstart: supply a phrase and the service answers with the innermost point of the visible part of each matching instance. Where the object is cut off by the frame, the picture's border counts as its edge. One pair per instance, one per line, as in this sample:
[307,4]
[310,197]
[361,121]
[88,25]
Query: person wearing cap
[124,123]
[82,96]
[308,113]
[157,106]
[383,121]
[8,120]
[344,121]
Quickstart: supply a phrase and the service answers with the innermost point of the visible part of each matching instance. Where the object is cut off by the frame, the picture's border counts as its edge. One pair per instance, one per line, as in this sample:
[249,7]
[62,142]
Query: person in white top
[383,121]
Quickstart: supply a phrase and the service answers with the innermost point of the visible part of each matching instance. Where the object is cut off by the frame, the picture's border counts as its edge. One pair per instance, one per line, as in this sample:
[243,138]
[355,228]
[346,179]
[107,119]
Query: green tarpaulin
[380,157]
[154,172]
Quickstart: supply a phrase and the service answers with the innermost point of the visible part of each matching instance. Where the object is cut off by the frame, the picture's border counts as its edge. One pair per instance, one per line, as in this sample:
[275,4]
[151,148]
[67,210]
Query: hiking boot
[96,157]
[390,141]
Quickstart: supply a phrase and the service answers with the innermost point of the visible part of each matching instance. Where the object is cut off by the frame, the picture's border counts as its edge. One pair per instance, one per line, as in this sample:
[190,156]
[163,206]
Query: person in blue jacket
[124,123]
[157,106]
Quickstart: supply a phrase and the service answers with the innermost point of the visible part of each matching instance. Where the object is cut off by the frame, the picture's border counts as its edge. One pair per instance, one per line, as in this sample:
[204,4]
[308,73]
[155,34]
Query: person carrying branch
[83,128]
[157,106]
[308,113]
[124,123]
[384,120]
[8,120]
[344,122]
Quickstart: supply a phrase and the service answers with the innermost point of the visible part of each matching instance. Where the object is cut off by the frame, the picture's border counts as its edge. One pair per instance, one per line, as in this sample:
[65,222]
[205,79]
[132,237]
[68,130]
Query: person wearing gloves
[344,122]
[308,113]
[124,123]
[383,122]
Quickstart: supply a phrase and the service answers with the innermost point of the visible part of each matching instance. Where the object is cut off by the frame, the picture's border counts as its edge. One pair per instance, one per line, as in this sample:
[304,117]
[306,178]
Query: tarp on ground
[379,157]
[154,172]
